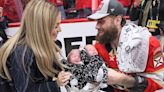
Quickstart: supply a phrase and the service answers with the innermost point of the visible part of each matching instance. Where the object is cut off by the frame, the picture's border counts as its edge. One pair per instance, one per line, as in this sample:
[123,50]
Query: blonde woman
[30,58]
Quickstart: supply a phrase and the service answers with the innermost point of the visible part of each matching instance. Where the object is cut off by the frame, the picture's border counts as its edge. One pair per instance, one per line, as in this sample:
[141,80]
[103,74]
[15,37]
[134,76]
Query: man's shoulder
[153,41]
[156,50]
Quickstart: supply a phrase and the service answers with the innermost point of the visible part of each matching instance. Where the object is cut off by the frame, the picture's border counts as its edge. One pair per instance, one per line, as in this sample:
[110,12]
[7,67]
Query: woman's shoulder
[20,53]
[22,50]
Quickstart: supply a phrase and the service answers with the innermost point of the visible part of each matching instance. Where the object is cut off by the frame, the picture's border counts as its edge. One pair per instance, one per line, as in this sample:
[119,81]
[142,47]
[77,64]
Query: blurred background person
[149,14]
[60,5]
[70,9]
[10,10]
[3,26]
[127,5]
[84,8]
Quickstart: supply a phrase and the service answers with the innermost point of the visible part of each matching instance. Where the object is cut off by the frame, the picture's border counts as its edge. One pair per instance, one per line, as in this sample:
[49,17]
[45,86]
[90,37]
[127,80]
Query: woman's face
[57,28]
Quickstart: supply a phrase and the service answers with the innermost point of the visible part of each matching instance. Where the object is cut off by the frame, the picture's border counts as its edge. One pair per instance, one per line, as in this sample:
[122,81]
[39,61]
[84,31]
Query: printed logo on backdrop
[68,43]
[82,33]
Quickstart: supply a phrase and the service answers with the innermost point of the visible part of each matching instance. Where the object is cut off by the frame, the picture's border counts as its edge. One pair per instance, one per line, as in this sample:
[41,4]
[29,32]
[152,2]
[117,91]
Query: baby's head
[74,56]
[91,50]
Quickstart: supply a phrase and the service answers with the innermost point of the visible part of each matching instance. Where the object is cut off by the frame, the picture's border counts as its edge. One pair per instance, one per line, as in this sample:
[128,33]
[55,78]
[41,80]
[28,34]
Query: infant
[87,67]
[81,56]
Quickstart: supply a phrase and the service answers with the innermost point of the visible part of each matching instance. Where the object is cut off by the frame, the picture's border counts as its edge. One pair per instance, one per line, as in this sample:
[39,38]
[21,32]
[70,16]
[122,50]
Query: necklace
[112,54]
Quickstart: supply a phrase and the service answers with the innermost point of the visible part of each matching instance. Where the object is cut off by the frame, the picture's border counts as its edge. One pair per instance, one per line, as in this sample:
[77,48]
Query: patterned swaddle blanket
[88,76]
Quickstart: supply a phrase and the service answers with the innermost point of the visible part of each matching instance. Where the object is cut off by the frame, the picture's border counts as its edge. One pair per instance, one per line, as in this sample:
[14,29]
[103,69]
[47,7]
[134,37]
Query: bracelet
[138,79]
[140,84]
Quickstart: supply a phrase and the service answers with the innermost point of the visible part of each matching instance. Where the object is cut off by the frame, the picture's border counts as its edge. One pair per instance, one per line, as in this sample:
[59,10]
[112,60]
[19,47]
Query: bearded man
[134,57]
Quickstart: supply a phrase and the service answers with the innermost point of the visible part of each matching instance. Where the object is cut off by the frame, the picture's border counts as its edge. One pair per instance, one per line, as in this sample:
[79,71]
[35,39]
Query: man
[139,64]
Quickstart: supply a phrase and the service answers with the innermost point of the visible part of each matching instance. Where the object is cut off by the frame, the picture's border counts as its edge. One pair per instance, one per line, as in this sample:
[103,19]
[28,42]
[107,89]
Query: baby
[82,55]
[87,68]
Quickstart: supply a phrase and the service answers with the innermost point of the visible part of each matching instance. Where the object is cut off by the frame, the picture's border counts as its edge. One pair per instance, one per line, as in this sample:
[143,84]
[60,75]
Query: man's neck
[114,44]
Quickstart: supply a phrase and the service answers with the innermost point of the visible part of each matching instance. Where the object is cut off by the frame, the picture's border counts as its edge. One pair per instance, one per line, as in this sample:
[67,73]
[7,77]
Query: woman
[30,59]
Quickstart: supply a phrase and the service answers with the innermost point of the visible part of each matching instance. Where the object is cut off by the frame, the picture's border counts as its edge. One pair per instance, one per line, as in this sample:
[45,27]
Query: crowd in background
[69,8]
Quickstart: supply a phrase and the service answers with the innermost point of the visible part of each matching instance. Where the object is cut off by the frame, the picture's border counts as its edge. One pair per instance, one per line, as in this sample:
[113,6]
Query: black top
[28,79]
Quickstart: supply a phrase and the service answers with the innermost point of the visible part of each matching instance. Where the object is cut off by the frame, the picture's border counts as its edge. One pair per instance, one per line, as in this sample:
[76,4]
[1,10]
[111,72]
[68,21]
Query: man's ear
[118,20]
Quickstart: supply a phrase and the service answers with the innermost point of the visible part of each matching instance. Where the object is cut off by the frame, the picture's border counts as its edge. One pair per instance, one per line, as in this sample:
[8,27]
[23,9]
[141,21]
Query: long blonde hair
[38,20]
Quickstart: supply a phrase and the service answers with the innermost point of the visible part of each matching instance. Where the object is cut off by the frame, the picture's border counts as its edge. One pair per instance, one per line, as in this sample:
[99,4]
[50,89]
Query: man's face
[107,30]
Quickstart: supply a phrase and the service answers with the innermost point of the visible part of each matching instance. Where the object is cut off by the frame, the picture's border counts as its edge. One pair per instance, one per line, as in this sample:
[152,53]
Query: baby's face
[91,50]
[75,57]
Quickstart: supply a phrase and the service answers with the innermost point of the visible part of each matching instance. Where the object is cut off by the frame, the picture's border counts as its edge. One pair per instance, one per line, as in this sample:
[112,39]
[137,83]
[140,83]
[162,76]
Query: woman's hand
[63,78]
